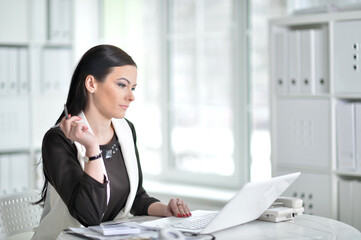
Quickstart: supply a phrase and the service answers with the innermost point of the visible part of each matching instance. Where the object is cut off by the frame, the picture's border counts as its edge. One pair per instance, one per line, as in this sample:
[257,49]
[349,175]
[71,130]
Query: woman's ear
[90,83]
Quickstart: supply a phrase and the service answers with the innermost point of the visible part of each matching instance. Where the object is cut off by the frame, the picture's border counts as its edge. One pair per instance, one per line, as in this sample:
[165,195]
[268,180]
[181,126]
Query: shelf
[15,150]
[14,44]
[52,44]
[350,96]
[348,174]
[322,96]
[304,168]
[312,19]
[304,126]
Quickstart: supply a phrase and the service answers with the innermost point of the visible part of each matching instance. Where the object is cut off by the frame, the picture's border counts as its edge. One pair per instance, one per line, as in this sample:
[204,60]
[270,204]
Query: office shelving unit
[36,59]
[304,97]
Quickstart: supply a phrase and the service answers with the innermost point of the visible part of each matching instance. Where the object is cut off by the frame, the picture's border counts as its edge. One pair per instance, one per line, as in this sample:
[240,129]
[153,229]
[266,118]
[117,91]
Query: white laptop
[247,205]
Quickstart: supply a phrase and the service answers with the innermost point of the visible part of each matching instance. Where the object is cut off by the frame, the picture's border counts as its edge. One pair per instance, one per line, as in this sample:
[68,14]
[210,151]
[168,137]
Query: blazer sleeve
[85,198]
[142,200]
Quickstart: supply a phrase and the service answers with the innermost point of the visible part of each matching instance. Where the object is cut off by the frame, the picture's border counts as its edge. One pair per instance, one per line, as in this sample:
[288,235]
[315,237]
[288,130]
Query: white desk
[302,227]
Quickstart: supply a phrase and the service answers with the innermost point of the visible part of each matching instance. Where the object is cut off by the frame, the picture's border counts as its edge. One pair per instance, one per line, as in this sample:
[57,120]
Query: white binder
[345,201]
[356,206]
[65,6]
[59,29]
[3,71]
[346,44]
[12,68]
[280,79]
[4,173]
[307,72]
[293,81]
[345,117]
[50,72]
[358,135]
[65,73]
[19,172]
[55,13]
[321,61]
[23,71]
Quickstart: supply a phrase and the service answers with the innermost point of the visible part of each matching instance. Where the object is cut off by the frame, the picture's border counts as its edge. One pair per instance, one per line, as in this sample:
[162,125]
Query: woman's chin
[120,115]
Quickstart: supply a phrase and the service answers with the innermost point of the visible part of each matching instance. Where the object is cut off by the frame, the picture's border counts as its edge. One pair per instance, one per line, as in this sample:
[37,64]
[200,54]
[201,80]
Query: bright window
[201,52]
[194,99]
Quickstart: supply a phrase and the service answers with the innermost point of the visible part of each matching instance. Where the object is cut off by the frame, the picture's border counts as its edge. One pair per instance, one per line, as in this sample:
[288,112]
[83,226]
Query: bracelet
[87,159]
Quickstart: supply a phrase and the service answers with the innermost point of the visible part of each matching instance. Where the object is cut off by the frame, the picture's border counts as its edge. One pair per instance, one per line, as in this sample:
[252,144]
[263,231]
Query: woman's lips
[125,107]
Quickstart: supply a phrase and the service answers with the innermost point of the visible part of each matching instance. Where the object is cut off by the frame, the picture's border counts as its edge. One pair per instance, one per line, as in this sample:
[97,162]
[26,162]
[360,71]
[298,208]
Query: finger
[77,126]
[172,205]
[186,209]
[65,126]
[183,208]
[74,118]
[61,124]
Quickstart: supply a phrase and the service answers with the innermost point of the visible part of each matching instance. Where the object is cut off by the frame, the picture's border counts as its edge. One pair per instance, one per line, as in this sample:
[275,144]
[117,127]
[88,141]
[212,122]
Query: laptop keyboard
[194,223]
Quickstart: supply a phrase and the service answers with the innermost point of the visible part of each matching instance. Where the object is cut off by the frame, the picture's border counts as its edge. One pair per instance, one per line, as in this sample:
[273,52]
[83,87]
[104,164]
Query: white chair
[18,216]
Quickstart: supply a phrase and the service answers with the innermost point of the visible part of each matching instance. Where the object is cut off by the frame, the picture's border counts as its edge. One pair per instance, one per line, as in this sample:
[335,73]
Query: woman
[90,158]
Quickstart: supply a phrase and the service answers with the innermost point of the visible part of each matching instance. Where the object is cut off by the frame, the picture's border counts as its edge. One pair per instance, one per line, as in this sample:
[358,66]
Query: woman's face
[113,96]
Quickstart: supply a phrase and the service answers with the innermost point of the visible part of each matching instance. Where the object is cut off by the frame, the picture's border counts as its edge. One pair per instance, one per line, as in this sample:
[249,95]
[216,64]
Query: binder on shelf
[3,71]
[345,118]
[57,70]
[358,135]
[345,195]
[356,206]
[54,20]
[293,81]
[12,68]
[4,173]
[65,20]
[307,75]
[64,77]
[280,62]
[50,70]
[23,71]
[19,172]
[321,61]
[346,44]
[59,20]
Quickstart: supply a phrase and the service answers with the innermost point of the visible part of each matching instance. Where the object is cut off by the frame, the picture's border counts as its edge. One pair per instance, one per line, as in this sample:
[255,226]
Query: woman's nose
[131,96]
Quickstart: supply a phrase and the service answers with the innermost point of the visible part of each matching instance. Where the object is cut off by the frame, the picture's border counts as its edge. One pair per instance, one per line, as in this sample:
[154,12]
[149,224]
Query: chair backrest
[18,214]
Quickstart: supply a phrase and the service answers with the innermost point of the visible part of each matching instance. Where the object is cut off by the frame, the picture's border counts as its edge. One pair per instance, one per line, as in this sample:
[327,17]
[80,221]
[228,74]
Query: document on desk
[115,229]
[126,231]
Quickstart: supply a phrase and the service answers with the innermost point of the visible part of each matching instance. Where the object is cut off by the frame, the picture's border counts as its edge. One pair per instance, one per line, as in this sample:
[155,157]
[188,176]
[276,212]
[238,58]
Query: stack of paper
[115,229]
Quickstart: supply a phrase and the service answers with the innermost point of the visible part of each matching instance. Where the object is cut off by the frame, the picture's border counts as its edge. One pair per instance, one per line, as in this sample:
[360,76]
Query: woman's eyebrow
[122,78]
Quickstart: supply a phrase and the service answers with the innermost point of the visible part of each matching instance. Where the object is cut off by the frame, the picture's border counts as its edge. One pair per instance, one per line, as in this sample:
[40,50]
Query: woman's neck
[101,127]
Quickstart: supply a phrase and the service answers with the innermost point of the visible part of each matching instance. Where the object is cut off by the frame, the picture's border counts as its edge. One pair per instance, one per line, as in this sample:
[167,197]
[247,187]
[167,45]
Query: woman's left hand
[178,208]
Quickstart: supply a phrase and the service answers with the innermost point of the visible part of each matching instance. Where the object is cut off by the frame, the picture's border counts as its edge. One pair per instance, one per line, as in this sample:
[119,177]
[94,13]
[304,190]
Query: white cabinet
[347,44]
[316,108]
[37,57]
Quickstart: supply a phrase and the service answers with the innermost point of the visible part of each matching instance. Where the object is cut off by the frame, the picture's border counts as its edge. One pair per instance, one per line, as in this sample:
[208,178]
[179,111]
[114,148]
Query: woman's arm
[85,197]
[175,207]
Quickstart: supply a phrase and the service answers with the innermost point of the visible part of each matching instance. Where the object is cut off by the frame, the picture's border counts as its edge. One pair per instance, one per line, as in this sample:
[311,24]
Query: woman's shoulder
[55,134]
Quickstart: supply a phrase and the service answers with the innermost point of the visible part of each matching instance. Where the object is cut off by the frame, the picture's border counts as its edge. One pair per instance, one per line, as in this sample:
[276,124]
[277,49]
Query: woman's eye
[133,89]
[122,85]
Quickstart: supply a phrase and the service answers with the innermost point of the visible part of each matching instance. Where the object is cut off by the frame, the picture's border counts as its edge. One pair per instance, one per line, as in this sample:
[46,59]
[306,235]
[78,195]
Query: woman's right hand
[76,130]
